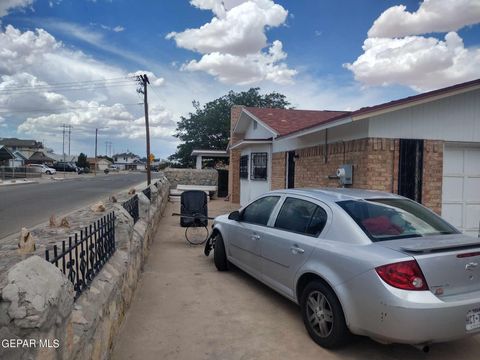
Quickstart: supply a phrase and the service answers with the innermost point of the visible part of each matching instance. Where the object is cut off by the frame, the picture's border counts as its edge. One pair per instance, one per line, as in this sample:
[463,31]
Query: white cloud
[2,122]
[248,69]
[31,66]
[6,6]
[118,28]
[153,79]
[232,42]
[431,16]
[419,62]
[395,53]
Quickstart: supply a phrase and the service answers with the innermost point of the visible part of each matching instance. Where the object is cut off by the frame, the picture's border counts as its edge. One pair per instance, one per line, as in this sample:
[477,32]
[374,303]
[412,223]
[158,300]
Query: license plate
[473,319]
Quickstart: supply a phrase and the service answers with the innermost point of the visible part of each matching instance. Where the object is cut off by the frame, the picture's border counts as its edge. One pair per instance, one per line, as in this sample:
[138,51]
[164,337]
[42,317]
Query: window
[260,210]
[389,219]
[244,167]
[259,166]
[255,125]
[301,216]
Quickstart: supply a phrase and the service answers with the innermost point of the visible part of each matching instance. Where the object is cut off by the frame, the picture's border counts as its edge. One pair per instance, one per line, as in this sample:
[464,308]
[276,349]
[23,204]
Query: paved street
[32,204]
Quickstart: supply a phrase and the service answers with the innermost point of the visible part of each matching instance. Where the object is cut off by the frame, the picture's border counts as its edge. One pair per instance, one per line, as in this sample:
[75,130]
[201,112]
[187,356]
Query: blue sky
[321,54]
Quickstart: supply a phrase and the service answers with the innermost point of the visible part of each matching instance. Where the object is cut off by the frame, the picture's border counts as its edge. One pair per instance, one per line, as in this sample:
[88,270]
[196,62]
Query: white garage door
[461,187]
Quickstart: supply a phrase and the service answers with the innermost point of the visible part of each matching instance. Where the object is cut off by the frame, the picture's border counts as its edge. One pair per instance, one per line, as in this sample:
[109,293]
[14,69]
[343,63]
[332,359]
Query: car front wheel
[323,316]
[48,172]
[219,254]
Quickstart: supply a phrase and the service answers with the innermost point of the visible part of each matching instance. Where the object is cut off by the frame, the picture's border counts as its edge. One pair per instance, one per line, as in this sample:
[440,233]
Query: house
[101,163]
[6,156]
[425,147]
[39,157]
[26,147]
[128,161]
[61,158]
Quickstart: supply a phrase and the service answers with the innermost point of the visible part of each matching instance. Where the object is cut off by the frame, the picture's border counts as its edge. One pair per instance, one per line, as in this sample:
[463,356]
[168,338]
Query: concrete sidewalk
[185,309]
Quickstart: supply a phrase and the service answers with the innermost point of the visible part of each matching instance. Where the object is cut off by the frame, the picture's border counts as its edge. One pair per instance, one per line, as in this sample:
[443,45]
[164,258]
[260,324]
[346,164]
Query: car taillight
[404,275]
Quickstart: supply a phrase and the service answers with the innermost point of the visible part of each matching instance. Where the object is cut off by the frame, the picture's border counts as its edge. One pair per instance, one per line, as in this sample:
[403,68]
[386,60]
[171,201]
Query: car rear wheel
[48,172]
[219,254]
[323,316]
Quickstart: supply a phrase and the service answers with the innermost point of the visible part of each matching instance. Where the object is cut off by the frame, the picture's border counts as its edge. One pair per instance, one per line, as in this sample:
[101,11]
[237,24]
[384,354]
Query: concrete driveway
[185,309]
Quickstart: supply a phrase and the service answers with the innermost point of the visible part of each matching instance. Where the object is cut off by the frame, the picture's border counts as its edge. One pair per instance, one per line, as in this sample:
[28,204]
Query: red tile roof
[285,121]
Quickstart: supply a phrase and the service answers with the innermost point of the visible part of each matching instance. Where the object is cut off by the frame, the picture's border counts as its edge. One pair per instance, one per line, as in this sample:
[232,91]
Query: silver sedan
[356,261]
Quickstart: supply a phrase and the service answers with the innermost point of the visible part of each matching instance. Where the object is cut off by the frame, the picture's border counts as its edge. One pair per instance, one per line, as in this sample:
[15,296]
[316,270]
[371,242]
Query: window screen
[244,167]
[259,166]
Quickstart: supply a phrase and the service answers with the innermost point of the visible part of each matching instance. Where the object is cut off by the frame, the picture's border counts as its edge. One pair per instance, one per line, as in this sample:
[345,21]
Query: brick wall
[278,170]
[234,165]
[373,163]
[432,174]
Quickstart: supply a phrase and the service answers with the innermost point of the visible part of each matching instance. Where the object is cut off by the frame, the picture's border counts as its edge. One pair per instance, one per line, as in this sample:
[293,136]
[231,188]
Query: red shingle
[285,121]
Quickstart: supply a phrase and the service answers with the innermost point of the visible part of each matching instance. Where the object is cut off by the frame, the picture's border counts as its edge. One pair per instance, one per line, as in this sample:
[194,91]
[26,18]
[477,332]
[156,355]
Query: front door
[291,170]
[410,169]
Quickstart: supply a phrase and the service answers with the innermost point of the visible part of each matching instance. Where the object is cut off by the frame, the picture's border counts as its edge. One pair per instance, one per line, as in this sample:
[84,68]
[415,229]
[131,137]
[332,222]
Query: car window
[260,210]
[301,216]
[389,219]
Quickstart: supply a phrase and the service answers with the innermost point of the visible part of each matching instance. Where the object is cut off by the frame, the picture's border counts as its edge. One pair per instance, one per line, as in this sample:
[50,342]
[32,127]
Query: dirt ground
[184,309]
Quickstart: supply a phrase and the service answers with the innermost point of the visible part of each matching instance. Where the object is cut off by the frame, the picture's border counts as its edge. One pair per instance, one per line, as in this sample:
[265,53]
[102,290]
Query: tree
[208,127]
[82,161]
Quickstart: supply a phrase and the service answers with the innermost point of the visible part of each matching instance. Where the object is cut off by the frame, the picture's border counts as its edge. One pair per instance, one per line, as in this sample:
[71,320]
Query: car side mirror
[235,216]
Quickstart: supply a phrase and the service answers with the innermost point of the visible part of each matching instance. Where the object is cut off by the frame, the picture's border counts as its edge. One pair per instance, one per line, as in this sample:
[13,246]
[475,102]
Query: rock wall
[191,177]
[38,316]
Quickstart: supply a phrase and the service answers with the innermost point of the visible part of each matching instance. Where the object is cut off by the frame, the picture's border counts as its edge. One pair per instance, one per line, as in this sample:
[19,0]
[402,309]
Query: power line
[73,83]
[72,88]
[63,109]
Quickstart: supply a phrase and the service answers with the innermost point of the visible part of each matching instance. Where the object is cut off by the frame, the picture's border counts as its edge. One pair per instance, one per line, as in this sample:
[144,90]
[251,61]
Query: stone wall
[191,177]
[36,303]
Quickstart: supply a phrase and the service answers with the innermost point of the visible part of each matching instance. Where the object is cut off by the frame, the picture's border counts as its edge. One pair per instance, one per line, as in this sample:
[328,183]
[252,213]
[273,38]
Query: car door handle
[255,237]
[296,250]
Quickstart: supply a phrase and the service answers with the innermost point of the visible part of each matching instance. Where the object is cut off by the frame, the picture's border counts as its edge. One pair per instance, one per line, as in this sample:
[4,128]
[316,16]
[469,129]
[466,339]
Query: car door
[244,244]
[288,244]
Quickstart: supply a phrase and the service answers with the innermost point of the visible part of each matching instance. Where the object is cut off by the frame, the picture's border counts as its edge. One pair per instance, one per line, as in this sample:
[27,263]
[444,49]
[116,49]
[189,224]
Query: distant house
[128,161]
[26,147]
[39,157]
[60,157]
[6,156]
[101,163]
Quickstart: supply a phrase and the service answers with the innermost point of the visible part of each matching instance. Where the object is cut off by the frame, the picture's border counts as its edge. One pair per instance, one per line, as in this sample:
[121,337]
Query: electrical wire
[63,109]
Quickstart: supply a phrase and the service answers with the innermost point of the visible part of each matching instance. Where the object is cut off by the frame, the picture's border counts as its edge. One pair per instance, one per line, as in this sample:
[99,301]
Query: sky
[75,62]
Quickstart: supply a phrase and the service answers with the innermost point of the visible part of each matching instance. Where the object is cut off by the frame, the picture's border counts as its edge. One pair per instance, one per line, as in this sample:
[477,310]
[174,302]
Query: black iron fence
[86,252]
[148,193]
[132,207]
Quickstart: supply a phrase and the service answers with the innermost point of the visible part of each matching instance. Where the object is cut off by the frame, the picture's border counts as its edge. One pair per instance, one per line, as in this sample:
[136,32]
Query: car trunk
[450,263]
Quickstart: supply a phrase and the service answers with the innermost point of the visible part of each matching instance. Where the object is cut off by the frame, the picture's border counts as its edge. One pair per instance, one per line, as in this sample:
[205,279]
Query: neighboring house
[39,157]
[60,157]
[425,147]
[101,163]
[19,160]
[128,161]
[26,147]
[6,156]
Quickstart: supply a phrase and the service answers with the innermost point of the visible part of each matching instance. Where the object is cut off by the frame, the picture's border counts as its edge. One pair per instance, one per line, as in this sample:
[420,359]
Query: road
[32,204]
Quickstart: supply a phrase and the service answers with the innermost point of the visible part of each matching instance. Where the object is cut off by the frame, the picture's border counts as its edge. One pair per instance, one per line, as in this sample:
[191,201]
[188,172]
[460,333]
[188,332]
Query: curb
[19,183]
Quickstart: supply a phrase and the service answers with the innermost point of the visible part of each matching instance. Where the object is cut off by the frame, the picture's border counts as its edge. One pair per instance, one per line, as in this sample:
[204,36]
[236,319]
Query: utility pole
[95,167]
[63,149]
[69,133]
[143,80]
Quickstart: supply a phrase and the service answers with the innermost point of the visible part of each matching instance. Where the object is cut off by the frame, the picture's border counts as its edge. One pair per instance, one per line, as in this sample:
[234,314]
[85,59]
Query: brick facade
[375,167]
[432,178]
[278,170]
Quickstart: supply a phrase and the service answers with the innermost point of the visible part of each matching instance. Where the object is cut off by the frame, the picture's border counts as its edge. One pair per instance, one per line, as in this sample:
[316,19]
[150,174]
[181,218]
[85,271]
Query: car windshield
[389,219]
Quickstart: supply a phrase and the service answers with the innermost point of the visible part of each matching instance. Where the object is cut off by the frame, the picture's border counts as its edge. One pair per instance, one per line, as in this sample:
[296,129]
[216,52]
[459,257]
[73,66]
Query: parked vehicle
[356,261]
[66,166]
[44,169]
[115,168]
